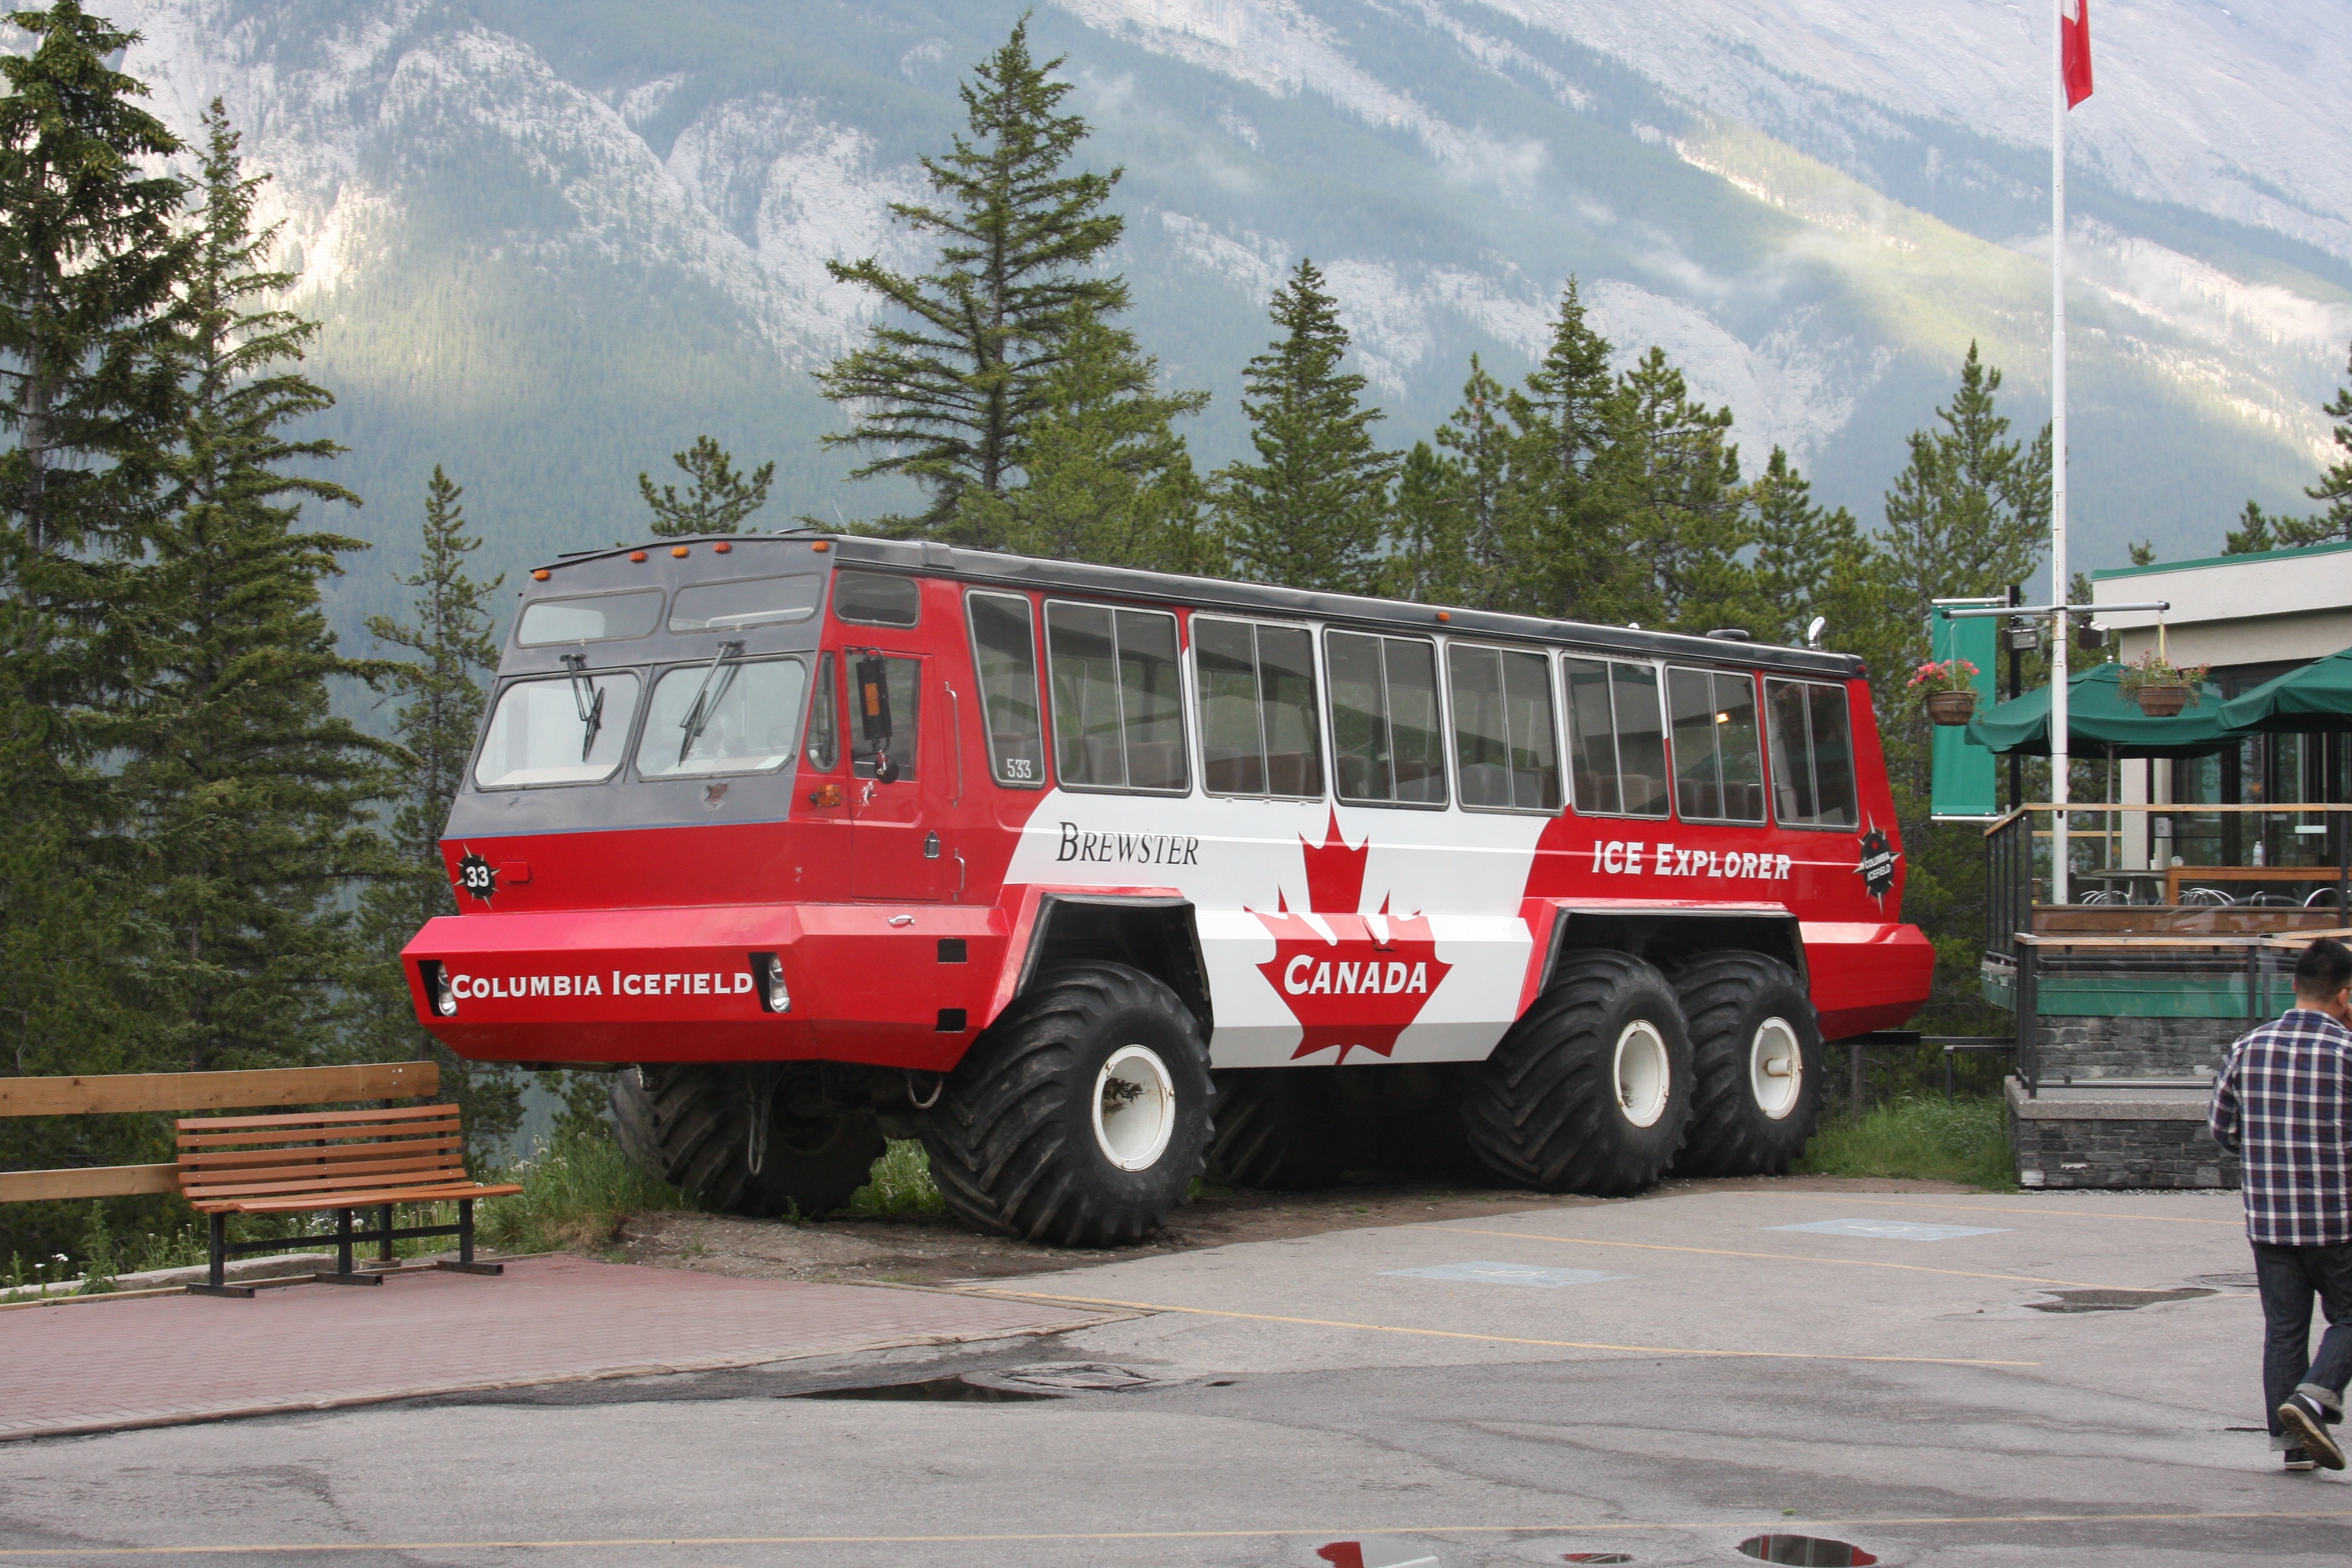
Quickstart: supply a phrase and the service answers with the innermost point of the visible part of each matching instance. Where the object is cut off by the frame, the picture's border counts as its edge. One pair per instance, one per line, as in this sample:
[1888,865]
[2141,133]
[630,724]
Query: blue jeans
[2290,1277]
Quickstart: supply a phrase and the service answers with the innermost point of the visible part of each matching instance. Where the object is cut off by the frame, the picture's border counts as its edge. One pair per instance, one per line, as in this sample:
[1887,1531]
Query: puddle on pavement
[2244,1281]
[1809,1550]
[1596,1557]
[2115,1300]
[949,1390]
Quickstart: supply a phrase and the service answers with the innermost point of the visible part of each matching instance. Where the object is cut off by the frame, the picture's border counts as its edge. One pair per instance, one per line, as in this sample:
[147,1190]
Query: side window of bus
[1506,752]
[1812,754]
[877,599]
[1257,687]
[902,680]
[1718,759]
[1004,654]
[1119,709]
[822,749]
[1387,745]
[1616,737]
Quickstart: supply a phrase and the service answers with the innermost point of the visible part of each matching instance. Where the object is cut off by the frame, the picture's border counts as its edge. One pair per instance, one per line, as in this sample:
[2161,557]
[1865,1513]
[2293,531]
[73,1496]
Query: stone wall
[2097,1047]
[2078,1138]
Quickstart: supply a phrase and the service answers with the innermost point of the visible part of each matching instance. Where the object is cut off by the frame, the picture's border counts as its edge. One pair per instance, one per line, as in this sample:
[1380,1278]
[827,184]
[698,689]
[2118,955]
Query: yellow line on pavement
[1328,1532]
[2012,1208]
[1488,1339]
[1776,1257]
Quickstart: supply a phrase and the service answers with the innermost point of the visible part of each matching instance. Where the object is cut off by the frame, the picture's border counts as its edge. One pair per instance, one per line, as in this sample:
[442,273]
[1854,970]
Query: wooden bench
[135,1093]
[344,1160]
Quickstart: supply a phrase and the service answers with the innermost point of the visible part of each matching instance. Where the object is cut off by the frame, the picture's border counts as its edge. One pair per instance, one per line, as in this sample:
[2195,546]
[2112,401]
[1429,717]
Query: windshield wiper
[698,716]
[589,699]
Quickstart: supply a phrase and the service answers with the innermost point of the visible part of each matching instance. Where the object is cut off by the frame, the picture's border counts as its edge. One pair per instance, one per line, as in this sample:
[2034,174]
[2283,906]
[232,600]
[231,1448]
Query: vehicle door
[902,776]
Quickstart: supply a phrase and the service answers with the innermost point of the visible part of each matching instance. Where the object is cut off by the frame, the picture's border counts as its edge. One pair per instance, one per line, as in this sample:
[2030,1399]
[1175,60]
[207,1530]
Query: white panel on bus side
[1351,933]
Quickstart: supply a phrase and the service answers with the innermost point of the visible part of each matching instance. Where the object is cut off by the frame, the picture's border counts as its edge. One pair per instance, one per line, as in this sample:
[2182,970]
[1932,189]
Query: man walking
[2283,1103]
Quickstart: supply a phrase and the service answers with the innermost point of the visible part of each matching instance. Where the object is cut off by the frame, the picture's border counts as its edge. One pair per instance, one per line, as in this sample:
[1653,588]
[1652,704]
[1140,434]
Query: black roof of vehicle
[991,568]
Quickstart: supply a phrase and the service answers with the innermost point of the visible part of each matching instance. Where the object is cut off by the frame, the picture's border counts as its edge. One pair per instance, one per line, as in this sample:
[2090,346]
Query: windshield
[566,729]
[728,716]
[595,618]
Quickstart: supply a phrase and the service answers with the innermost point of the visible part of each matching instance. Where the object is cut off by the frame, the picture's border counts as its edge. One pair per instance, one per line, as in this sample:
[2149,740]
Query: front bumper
[869,982]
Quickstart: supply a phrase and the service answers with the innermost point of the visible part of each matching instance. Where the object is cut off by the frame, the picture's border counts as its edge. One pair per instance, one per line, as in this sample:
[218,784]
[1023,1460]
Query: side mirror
[874,715]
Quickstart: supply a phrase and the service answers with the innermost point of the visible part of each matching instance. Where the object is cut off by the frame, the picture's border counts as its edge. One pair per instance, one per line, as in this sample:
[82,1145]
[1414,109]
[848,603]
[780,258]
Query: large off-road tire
[1080,1118]
[1280,1129]
[691,1126]
[1590,1091]
[1755,1066]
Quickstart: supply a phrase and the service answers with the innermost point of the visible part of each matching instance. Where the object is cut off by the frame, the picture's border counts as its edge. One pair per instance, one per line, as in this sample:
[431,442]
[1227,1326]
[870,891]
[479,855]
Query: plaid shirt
[2284,1104]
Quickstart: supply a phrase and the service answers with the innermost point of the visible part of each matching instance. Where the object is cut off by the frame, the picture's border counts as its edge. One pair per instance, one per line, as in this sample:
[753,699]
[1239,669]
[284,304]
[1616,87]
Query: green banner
[1964,775]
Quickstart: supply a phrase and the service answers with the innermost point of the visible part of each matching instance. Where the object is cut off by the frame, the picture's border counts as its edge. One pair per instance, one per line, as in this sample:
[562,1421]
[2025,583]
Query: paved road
[1662,1377]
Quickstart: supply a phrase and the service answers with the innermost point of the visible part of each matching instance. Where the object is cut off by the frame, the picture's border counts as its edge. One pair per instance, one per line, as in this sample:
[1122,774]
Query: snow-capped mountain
[551,240]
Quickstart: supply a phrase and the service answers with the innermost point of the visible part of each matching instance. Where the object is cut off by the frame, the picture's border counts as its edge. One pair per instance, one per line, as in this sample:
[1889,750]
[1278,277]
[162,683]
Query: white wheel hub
[1776,1068]
[1135,1108]
[1643,1076]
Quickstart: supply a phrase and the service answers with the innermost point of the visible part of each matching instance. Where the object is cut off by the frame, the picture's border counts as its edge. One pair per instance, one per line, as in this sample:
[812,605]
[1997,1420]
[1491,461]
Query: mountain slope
[551,242]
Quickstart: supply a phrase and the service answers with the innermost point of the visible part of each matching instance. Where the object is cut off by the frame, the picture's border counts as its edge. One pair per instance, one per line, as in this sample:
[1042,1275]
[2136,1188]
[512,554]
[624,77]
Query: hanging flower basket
[1949,708]
[1949,685]
[2161,687]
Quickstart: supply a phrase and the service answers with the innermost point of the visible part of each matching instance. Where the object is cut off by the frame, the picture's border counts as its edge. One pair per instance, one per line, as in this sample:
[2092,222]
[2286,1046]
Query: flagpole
[2061,622]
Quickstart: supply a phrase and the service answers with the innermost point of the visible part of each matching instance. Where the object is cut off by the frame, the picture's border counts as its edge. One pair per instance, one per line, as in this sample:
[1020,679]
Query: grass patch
[900,1184]
[1921,1136]
[575,1193]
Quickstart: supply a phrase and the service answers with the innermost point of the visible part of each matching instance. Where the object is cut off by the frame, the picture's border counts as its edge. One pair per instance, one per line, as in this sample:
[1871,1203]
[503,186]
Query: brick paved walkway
[106,1366]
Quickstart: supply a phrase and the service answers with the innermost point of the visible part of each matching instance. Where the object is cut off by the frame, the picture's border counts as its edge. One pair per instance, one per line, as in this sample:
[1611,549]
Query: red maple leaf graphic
[1358,987]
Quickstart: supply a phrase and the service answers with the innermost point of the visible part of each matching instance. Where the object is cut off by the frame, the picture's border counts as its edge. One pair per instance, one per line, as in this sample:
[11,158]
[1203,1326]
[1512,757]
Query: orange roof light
[1444,615]
[821,546]
[637,556]
[539,575]
[721,548]
[679,550]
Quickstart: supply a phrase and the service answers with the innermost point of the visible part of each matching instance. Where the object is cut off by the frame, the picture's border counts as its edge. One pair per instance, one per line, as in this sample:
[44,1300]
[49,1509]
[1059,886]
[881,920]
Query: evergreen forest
[211,864]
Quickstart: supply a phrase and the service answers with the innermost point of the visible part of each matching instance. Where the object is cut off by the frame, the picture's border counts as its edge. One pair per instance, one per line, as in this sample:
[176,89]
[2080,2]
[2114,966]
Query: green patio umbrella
[2101,721]
[2316,697]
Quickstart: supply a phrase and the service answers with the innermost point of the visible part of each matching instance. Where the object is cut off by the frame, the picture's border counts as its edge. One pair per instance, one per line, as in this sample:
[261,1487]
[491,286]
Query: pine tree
[1426,559]
[1970,513]
[717,500]
[251,793]
[88,260]
[1486,446]
[1568,501]
[1309,512]
[1678,478]
[2257,531]
[949,399]
[1107,479]
[1809,561]
[455,651]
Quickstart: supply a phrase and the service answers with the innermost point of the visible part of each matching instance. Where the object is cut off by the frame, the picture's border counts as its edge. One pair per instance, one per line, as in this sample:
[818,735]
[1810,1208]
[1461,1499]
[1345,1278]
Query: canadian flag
[2074,32]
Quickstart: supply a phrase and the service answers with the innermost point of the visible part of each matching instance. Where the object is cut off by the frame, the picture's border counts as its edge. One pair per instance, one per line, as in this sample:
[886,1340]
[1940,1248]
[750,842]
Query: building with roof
[2250,620]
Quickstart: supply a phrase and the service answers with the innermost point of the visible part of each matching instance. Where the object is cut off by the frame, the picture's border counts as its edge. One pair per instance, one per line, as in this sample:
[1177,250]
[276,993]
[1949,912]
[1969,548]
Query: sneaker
[2305,1420]
[2299,1459]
